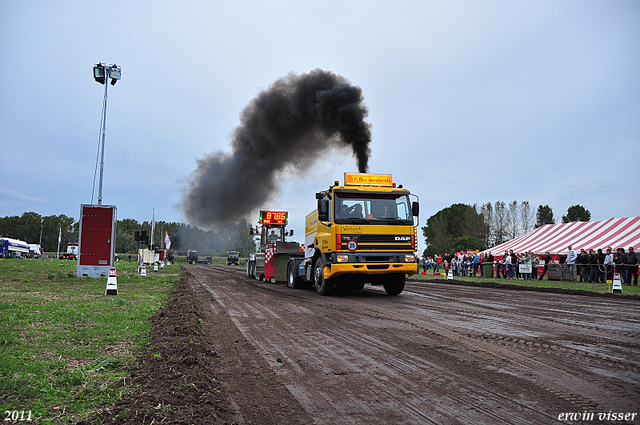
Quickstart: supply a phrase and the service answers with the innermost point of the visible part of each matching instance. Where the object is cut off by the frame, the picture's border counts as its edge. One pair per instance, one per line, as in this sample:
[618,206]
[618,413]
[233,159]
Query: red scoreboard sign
[97,240]
[273,217]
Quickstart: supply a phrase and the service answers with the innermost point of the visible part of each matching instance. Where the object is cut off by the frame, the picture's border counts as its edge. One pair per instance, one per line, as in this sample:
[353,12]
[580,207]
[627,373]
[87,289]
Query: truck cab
[361,232]
[233,258]
[192,256]
[71,253]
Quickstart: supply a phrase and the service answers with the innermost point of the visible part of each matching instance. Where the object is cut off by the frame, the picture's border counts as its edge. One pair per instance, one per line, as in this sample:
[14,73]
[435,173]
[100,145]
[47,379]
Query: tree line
[462,227]
[30,226]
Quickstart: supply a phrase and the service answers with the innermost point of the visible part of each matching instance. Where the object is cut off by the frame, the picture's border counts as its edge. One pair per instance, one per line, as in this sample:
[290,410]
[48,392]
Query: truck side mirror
[291,232]
[251,231]
[323,210]
[415,209]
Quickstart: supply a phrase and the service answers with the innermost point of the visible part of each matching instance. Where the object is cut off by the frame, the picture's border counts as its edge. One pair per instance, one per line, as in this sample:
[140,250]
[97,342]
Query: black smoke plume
[284,128]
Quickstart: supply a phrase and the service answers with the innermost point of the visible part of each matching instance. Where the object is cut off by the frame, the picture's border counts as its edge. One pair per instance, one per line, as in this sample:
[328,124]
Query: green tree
[512,222]
[128,226]
[27,228]
[8,226]
[55,225]
[465,243]
[526,216]
[488,217]
[440,239]
[475,226]
[449,223]
[576,213]
[499,222]
[125,241]
[544,215]
[183,237]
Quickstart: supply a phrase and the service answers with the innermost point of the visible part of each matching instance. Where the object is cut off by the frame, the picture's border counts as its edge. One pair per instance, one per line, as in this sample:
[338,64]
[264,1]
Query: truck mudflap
[336,269]
[269,264]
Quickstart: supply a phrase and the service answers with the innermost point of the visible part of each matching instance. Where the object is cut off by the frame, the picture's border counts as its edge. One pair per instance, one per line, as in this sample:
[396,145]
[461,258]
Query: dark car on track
[233,258]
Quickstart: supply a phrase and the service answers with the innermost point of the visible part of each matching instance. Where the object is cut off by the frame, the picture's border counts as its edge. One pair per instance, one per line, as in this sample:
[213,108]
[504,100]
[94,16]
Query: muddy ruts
[284,128]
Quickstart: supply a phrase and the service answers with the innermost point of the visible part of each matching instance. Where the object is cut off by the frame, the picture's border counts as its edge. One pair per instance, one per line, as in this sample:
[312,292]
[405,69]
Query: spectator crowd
[590,266]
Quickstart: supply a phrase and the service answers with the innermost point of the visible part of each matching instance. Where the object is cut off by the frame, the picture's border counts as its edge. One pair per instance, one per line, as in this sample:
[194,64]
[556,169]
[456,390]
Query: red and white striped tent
[555,238]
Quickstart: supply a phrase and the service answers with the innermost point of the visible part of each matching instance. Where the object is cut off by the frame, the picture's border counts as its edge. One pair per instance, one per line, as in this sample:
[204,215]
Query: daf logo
[403,238]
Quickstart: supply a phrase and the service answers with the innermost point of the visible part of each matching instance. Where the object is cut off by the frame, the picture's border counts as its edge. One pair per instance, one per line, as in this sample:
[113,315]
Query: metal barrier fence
[554,271]
[561,272]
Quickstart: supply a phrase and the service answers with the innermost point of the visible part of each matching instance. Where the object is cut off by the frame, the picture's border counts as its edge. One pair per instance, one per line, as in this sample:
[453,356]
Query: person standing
[571,263]
[583,265]
[509,267]
[602,274]
[619,259]
[525,262]
[474,264]
[631,263]
[500,266]
[535,262]
[593,267]
[547,260]
[514,261]
[608,265]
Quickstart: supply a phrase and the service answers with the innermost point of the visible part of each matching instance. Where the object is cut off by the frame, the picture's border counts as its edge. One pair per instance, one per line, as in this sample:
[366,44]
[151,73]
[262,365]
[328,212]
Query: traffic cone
[112,283]
[617,285]
[450,275]
[155,267]
[162,265]
[144,271]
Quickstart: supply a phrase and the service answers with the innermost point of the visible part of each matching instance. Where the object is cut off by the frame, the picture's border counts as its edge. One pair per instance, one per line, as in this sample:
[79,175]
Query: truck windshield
[372,208]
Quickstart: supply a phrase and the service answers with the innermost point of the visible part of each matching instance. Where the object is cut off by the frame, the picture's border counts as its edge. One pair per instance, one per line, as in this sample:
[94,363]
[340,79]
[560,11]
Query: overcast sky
[469,102]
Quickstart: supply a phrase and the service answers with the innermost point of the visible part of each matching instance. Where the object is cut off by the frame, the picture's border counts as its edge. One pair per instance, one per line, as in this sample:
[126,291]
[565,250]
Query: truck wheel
[323,286]
[293,281]
[395,284]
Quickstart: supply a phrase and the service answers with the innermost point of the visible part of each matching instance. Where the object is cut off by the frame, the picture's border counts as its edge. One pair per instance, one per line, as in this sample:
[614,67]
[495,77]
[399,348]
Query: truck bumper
[337,269]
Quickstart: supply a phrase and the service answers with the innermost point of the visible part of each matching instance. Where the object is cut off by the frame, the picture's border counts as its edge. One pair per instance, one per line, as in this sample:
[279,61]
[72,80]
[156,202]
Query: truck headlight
[409,258]
[342,258]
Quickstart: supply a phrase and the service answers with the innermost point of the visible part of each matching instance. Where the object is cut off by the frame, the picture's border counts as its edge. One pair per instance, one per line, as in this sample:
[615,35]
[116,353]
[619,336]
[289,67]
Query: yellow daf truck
[361,232]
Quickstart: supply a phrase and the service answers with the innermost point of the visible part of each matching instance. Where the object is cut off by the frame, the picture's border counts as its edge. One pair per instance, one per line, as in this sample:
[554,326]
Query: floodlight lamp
[115,72]
[98,73]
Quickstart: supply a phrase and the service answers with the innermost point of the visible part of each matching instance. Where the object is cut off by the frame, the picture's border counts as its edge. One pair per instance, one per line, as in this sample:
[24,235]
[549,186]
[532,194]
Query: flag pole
[59,237]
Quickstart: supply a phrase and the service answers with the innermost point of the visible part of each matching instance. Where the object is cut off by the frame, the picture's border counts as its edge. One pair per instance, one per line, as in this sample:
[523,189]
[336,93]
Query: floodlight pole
[102,74]
[104,131]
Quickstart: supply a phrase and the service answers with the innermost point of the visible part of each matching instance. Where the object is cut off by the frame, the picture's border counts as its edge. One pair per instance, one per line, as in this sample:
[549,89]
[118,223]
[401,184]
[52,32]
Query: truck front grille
[378,242]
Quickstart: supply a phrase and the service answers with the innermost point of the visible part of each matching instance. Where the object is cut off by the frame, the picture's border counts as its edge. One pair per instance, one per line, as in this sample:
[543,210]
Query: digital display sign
[273,217]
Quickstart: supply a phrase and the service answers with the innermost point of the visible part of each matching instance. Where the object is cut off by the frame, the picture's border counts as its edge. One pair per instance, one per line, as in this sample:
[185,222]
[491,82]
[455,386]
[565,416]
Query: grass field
[65,347]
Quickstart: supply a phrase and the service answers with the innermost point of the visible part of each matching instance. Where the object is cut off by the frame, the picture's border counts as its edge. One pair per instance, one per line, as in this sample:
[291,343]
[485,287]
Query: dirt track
[437,353]
[228,349]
